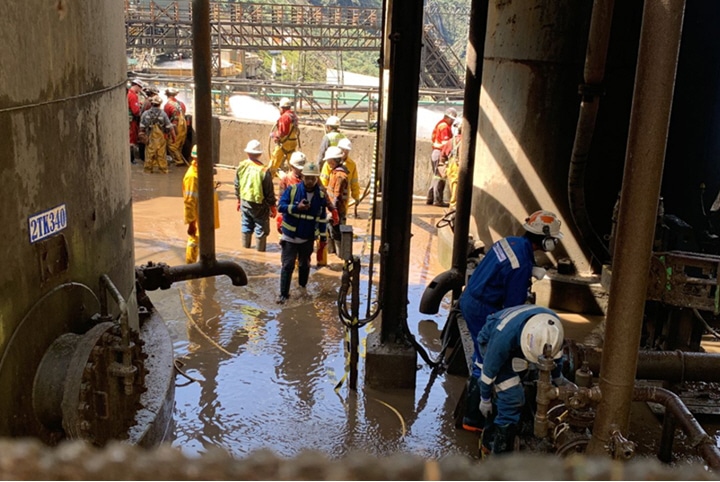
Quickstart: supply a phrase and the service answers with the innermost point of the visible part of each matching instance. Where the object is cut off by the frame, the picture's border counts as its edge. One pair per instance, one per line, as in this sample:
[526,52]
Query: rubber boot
[303,275]
[498,439]
[504,438]
[322,253]
[473,421]
[261,243]
[285,279]
[246,239]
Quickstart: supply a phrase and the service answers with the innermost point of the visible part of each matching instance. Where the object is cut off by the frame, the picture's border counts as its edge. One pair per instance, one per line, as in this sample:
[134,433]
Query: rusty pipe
[699,439]
[454,279]
[647,138]
[672,366]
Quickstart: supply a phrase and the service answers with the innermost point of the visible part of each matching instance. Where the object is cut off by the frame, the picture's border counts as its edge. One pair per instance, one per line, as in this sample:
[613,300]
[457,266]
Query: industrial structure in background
[641,123]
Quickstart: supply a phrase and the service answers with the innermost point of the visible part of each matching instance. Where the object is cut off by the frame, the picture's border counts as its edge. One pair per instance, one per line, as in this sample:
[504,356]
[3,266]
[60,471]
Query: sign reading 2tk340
[45,224]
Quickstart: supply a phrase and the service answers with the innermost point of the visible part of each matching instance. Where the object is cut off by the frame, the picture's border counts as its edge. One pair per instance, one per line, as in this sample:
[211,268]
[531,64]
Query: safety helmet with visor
[539,330]
[254,147]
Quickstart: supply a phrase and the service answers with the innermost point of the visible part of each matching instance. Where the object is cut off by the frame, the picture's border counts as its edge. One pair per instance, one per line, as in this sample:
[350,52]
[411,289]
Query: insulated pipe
[591,90]
[454,278]
[650,116]
[700,440]
[672,366]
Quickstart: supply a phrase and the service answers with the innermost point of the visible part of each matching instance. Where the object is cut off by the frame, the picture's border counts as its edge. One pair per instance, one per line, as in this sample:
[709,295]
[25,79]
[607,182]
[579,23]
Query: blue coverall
[499,343]
[500,280]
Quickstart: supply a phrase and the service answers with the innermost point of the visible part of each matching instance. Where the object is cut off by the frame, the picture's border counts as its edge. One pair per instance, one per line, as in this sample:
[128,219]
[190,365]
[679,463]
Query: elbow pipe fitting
[438,287]
[202,270]
[159,275]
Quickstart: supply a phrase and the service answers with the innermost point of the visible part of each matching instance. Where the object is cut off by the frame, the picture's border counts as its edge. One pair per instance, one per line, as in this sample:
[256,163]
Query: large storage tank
[68,223]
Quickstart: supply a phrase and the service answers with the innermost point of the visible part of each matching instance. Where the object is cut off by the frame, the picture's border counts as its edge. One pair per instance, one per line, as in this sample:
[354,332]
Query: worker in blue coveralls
[517,332]
[501,280]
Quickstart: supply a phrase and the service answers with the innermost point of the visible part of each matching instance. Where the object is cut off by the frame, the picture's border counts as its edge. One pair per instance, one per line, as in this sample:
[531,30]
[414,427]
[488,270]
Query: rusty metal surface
[687,280]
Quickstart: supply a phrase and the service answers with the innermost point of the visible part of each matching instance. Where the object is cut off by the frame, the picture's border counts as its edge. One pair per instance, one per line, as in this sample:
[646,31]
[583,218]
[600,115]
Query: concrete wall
[234,135]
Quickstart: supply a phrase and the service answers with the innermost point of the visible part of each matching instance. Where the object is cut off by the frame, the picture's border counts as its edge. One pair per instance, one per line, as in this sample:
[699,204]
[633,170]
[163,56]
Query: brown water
[267,373]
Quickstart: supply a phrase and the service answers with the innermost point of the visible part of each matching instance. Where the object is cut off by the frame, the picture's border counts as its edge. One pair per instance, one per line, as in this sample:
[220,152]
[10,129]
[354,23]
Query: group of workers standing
[445,159]
[313,203]
[313,196]
[156,132]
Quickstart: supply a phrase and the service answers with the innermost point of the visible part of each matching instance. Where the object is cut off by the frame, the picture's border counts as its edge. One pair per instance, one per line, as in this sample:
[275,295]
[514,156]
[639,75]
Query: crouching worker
[517,332]
[302,206]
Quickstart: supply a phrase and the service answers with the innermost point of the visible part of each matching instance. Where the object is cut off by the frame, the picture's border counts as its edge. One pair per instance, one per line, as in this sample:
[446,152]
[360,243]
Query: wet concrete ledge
[30,460]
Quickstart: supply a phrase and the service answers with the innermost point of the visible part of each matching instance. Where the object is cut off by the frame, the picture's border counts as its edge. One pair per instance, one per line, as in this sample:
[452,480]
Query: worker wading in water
[175,111]
[256,196]
[190,198]
[156,126]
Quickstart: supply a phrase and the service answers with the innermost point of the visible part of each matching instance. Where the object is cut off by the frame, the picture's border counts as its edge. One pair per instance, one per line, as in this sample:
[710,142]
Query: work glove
[561,381]
[273,211]
[335,217]
[192,228]
[486,407]
[239,204]
[278,221]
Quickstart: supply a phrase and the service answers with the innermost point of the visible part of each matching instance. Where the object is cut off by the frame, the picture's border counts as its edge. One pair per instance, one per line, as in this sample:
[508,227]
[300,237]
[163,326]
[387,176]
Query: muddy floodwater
[262,375]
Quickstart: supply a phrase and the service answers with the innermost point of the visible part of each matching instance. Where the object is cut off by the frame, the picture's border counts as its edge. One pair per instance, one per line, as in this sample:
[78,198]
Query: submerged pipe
[454,279]
[700,440]
[649,121]
[591,90]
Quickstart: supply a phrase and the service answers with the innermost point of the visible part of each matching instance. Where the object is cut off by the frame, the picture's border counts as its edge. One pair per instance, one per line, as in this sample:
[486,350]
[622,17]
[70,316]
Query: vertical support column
[650,117]
[202,63]
[403,32]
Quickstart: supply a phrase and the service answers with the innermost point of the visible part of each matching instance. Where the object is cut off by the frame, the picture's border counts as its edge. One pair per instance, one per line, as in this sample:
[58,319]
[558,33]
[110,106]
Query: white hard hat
[310,169]
[451,113]
[333,121]
[333,152]
[285,102]
[539,330]
[254,147]
[345,144]
[543,222]
[298,159]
